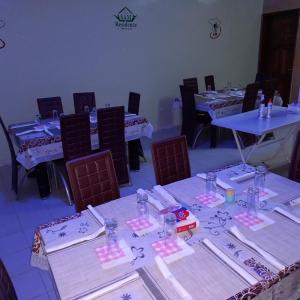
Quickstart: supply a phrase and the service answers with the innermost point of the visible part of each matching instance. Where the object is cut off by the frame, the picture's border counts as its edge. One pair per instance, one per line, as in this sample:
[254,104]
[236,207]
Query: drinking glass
[252,200]
[54,115]
[111,226]
[170,226]
[86,109]
[211,183]
[142,205]
[259,179]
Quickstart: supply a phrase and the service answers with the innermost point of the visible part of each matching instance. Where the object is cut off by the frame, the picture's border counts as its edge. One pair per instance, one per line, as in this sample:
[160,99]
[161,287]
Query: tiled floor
[18,219]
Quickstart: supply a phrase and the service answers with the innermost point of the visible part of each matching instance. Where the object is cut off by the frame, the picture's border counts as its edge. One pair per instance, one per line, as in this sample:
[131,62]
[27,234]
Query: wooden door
[277,48]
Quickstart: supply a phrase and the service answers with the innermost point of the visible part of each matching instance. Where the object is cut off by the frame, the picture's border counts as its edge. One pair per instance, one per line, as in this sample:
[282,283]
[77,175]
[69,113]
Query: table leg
[133,155]
[213,136]
[42,180]
[237,141]
[254,146]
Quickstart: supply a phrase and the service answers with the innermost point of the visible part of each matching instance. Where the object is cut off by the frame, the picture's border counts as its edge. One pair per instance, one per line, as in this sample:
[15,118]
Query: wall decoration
[216,28]
[2,43]
[125,19]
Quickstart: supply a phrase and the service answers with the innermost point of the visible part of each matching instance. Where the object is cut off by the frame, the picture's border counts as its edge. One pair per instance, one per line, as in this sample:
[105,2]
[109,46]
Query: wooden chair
[84,99]
[7,290]
[294,171]
[210,82]
[170,160]
[192,122]
[76,143]
[93,180]
[192,83]
[111,133]
[269,87]
[134,103]
[47,105]
[249,102]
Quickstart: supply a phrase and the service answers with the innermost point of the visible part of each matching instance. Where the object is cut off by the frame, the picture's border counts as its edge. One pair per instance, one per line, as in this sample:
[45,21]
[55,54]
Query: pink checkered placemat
[113,256]
[254,222]
[171,250]
[210,200]
[265,194]
[142,226]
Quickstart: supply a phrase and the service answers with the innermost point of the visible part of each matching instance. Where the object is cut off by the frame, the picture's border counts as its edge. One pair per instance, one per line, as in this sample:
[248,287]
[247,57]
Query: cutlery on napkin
[267,256]
[220,183]
[234,266]
[151,200]
[165,195]
[287,214]
[109,288]
[96,214]
[168,275]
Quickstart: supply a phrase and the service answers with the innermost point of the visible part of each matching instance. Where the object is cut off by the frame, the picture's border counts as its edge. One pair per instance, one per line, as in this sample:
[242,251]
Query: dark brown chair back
[192,83]
[210,82]
[250,97]
[189,121]
[111,134]
[170,160]
[75,135]
[269,87]
[84,99]
[294,172]
[134,103]
[93,180]
[7,290]
[47,105]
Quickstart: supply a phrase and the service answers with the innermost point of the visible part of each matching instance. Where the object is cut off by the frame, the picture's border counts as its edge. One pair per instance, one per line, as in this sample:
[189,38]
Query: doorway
[277,48]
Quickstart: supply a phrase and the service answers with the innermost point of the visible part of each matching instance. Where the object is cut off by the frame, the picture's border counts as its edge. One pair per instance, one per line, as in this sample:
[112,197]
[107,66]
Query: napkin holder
[185,220]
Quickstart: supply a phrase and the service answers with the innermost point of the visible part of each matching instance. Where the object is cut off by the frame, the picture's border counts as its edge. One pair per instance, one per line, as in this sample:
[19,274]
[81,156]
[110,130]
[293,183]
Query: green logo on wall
[125,19]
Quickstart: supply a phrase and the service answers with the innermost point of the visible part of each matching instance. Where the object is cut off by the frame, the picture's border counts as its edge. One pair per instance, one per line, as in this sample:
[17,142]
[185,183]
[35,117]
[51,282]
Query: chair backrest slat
[210,82]
[192,83]
[93,180]
[250,97]
[134,103]
[170,160]
[84,99]
[47,105]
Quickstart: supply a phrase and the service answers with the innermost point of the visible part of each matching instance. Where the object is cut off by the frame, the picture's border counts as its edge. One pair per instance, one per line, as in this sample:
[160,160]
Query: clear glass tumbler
[111,226]
[211,183]
[142,205]
[252,200]
[170,226]
[259,179]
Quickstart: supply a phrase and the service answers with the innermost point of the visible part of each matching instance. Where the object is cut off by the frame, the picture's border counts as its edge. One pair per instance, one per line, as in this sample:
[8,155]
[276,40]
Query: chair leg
[197,136]
[66,187]
[141,150]
[14,178]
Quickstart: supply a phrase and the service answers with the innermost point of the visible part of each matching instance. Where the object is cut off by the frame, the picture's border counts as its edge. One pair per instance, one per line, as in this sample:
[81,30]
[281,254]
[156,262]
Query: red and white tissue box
[185,220]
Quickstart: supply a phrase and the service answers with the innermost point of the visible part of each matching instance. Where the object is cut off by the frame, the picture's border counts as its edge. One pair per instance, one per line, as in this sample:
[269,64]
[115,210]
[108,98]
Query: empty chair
[192,83]
[111,133]
[170,160]
[93,180]
[7,290]
[269,87]
[76,142]
[192,123]
[48,105]
[294,171]
[250,97]
[82,100]
[210,82]
[134,103]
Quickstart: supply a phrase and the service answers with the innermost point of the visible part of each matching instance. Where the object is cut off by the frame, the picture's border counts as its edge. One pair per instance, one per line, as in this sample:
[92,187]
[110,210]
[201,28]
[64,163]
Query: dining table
[39,142]
[282,124]
[230,254]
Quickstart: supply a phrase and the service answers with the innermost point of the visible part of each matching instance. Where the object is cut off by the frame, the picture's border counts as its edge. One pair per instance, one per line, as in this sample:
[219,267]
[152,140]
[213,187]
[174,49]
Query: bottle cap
[270,100]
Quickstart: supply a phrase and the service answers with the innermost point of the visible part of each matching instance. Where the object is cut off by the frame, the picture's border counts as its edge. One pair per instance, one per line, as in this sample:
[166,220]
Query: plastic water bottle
[142,206]
[261,111]
[269,109]
[211,183]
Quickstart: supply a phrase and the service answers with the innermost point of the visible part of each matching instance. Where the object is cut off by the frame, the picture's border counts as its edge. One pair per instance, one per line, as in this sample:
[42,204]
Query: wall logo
[125,19]
[216,28]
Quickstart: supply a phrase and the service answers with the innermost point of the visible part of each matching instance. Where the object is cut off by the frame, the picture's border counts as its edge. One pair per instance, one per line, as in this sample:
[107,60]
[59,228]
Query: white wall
[57,47]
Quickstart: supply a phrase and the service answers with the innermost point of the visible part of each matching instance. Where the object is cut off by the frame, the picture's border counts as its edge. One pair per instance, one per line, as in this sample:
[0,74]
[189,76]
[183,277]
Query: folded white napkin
[29,131]
[248,277]
[22,125]
[243,177]
[111,287]
[164,194]
[220,183]
[168,275]
[267,256]
[287,214]
[151,200]
[96,214]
